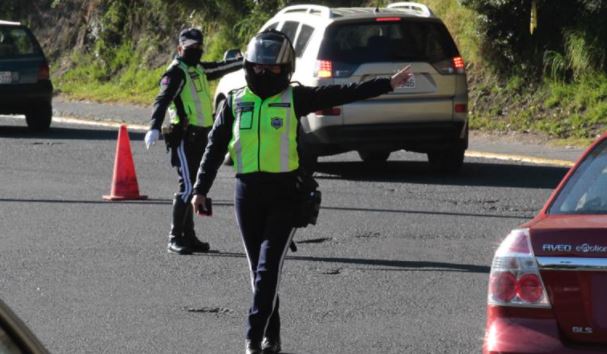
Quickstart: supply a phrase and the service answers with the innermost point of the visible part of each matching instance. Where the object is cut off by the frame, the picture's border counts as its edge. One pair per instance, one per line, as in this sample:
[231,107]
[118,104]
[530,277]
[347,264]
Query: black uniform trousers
[265,205]
[186,158]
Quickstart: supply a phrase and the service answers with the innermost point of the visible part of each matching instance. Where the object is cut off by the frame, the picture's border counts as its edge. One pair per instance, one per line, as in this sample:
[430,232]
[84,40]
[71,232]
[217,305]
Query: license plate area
[8,77]
[409,84]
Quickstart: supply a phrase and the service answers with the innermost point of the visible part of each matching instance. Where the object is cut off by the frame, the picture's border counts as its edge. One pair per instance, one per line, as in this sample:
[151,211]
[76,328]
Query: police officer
[184,91]
[259,124]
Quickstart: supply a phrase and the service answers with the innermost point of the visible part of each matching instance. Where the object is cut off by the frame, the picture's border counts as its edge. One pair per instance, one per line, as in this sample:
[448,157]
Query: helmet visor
[269,50]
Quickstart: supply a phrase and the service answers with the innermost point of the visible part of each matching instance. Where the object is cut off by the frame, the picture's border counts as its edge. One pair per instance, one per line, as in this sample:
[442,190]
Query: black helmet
[190,36]
[269,48]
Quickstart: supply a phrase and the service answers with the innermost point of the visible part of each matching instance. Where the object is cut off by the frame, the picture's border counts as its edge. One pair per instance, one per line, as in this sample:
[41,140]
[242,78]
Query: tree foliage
[569,40]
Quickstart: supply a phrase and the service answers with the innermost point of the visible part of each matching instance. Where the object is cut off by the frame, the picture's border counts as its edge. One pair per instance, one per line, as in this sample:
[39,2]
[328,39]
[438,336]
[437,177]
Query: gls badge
[276,122]
[582,330]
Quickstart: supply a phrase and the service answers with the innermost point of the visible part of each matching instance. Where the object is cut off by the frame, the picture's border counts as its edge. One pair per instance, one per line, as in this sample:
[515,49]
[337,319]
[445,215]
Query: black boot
[251,347]
[271,345]
[189,234]
[177,243]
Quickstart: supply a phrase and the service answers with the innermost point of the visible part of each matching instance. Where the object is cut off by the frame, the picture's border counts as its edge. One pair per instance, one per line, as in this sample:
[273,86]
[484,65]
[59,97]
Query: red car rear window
[586,190]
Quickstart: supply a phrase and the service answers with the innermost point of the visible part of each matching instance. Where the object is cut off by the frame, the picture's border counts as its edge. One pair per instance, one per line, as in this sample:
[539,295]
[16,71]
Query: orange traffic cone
[124,181]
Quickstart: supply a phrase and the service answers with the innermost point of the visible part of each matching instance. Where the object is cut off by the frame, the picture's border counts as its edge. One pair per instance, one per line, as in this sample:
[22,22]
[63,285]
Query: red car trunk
[571,251]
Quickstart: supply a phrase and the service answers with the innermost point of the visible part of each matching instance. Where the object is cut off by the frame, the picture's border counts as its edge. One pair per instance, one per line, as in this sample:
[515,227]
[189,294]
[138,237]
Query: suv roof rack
[319,10]
[2,22]
[411,7]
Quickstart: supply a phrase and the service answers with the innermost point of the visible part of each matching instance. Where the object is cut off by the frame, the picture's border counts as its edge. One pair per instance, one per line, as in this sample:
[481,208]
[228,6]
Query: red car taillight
[515,277]
[453,65]
[43,72]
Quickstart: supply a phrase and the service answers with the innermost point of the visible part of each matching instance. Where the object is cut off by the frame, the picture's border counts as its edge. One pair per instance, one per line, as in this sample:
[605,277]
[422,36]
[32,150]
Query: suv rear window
[17,42]
[363,42]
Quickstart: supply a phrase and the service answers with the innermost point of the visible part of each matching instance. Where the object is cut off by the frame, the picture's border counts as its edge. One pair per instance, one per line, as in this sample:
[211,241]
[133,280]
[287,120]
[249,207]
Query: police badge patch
[276,122]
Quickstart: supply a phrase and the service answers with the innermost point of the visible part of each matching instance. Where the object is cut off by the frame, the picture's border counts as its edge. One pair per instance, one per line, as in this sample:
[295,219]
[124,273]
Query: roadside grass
[572,113]
[91,79]
[122,78]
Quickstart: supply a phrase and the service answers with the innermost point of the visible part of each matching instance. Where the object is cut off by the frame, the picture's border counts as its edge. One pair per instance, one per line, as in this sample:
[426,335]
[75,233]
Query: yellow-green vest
[195,96]
[264,134]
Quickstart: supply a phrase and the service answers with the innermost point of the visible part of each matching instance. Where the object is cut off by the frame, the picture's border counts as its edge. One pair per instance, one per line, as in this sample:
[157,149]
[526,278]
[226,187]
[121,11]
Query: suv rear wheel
[448,161]
[39,118]
[374,156]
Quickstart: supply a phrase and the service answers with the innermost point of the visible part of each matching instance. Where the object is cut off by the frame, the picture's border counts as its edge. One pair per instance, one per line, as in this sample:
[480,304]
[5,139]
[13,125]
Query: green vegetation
[550,80]
[124,78]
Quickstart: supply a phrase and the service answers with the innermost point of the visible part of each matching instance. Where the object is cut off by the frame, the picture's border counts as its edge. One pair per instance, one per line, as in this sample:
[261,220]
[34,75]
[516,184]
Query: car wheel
[448,161]
[39,118]
[374,156]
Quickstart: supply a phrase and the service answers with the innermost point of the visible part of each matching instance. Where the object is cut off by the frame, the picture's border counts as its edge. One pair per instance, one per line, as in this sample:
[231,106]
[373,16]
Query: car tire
[447,161]
[374,156]
[39,118]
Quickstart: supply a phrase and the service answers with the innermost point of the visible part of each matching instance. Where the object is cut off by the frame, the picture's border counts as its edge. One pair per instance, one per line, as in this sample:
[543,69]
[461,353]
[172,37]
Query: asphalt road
[398,262]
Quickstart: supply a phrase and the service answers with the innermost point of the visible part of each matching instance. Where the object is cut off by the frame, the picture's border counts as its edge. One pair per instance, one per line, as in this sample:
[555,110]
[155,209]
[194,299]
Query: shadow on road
[394,264]
[472,174]
[21,132]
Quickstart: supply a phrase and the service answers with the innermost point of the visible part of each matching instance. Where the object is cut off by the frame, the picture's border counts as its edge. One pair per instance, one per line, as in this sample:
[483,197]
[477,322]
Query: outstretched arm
[310,99]
[215,70]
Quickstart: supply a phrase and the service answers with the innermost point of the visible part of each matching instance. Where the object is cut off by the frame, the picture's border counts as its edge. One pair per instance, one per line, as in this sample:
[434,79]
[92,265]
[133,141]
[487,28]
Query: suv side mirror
[231,54]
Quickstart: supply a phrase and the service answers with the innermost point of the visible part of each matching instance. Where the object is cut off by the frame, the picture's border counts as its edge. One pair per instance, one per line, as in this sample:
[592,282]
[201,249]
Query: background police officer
[184,91]
[259,125]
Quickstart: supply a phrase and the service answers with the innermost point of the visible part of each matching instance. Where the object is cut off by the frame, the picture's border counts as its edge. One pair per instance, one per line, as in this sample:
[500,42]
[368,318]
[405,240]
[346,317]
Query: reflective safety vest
[195,96]
[264,134]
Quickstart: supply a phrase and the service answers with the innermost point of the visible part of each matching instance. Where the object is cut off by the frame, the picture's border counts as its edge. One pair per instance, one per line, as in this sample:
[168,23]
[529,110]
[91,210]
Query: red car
[548,283]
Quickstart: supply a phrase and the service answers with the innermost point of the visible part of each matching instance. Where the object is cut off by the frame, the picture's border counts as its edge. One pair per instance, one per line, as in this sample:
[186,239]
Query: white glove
[151,137]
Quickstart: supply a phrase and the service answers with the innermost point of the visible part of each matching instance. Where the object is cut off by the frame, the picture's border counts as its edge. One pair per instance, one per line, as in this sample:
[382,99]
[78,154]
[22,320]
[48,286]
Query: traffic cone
[124,180]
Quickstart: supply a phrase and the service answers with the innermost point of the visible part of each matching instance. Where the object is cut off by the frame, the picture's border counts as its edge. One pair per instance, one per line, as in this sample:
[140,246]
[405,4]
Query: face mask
[191,56]
[267,84]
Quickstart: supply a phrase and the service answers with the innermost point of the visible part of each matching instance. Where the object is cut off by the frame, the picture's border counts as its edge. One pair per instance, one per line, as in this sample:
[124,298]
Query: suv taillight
[328,69]
[324,69]
[453,65]
[43,72]
[515,277]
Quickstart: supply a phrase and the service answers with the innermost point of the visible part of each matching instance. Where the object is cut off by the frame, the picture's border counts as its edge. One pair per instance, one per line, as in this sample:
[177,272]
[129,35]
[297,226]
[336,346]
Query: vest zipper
[259,136]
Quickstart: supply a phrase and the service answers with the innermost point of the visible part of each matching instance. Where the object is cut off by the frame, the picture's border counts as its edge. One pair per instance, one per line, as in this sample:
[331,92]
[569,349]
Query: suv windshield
[17,42]
[402,40]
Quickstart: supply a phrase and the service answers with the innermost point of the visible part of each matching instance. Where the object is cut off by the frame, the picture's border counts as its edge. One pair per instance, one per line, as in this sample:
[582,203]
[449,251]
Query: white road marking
[97,123]
[519,158]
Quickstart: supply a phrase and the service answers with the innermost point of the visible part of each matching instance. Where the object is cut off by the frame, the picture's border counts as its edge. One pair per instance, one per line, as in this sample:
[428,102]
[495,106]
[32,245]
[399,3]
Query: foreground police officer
[259,124]
[184,90]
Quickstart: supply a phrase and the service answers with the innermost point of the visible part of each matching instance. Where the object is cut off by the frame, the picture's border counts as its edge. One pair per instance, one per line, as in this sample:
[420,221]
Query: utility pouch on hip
[172,135]
[309,199]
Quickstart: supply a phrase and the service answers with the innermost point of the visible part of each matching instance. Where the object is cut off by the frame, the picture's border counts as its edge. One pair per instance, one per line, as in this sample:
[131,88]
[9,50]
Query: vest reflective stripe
[195,97]
[285,139]
[264,135]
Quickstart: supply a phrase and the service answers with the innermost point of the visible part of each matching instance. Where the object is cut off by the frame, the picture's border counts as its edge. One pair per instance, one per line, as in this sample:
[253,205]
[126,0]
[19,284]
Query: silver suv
[344,45]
